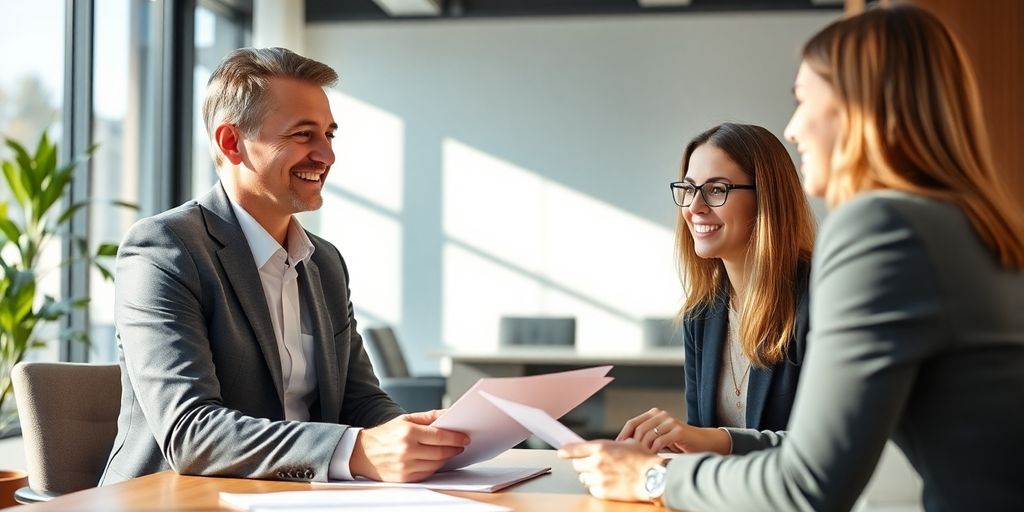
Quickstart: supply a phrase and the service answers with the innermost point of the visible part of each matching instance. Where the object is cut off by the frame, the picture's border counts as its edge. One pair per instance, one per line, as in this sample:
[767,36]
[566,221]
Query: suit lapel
[714,339]
[237,261]
[327,373]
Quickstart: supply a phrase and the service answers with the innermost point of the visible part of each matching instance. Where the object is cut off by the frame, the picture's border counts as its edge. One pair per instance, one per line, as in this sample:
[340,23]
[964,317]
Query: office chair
[422,393]
[661,332]
[68,415]
[526,330]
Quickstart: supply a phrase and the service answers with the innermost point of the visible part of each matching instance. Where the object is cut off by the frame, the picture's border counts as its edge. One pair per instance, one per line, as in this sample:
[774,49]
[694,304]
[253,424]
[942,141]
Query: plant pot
[10,481]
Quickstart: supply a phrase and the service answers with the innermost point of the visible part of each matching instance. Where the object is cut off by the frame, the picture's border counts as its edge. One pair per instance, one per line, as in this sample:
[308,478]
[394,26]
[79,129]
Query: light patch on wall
[518,243]
[493,205]
[371,243]
[370,151]
[477,291]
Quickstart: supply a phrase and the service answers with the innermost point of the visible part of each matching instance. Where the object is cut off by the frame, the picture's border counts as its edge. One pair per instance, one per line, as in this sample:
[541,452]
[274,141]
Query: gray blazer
[917,334]
[201,374]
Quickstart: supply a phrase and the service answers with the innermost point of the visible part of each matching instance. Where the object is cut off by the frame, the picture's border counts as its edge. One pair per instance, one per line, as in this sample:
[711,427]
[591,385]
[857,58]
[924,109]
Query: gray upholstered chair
[413,393]
[68,415]
[661,332]
[529,330]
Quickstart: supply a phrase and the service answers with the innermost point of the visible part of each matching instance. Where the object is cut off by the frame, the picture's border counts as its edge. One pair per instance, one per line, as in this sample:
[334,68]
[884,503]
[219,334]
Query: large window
[131,102]
[218,30]
[31,92]
[124,126]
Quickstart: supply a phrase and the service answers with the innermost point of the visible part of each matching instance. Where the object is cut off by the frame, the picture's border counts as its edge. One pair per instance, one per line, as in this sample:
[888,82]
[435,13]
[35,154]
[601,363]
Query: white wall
[521,165]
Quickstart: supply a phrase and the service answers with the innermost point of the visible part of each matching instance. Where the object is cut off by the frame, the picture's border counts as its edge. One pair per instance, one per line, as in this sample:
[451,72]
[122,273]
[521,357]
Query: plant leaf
[10,230]
[106,250]
[123,204]
[70,212]
[21,293]
[15,182]
[75,335]
[82,244]
[28,177]
[53,309]
[53,190]
[104,271]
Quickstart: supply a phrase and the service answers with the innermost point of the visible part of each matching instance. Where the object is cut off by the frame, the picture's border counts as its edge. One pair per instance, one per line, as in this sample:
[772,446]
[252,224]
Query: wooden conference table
[559,491]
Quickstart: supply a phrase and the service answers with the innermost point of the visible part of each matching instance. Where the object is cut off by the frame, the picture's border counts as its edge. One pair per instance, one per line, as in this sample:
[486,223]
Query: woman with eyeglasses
[916,296]
[743,237]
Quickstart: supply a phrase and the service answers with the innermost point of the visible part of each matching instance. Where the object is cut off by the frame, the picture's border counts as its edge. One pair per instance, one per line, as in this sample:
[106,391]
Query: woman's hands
[656,430]
[611,470]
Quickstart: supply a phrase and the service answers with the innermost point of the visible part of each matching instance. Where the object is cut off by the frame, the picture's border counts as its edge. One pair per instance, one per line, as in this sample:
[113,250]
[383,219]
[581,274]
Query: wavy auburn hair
[911,119]
[780,243]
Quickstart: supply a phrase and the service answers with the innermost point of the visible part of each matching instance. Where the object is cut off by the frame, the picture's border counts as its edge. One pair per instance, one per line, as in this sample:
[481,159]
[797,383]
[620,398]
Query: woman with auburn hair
[917,286]
[744,236]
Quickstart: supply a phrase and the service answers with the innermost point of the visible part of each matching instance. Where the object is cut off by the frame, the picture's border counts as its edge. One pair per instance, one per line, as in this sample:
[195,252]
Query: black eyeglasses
[683,192]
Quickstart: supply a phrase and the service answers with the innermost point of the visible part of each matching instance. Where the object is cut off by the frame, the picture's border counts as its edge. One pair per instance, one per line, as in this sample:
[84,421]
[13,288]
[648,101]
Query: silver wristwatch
[654,482]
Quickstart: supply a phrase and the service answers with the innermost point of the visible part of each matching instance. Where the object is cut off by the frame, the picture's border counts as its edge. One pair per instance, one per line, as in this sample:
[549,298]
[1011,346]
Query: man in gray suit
[239,351]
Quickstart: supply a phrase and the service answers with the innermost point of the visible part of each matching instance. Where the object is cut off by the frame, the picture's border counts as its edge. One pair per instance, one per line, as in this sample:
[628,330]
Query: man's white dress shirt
[292,324]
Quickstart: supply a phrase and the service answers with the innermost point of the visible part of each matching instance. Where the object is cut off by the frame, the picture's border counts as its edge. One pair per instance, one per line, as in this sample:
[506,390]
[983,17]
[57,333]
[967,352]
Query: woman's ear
[228,139]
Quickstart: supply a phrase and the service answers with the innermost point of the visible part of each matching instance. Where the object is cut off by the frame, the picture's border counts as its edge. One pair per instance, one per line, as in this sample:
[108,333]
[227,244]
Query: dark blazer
[918,337]
[201,373]
[770,391]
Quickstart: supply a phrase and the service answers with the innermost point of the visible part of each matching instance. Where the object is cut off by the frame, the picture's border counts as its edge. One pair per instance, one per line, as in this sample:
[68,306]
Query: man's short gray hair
[237,90]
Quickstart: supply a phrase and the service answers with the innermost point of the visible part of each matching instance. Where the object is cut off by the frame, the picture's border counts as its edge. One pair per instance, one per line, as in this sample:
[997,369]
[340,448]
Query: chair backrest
[384,343]
[520,330]
[68,415]
[661,332]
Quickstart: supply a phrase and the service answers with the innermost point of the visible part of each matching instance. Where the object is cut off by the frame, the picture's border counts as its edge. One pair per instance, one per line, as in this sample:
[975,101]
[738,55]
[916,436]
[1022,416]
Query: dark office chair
[414,394]
[68,415]
[661,332]
[528,330]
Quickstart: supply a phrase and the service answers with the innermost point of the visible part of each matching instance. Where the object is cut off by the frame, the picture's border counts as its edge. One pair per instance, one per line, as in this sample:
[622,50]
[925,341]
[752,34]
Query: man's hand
[611,470]
[657,430]
[405,449]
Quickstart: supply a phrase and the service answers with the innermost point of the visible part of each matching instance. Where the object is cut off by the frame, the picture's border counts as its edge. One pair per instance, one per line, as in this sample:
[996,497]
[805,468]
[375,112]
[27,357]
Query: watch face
[654,481]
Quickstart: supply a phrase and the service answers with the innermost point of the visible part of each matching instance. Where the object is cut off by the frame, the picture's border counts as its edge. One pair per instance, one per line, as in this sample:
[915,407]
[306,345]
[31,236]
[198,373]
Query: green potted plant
[32,215]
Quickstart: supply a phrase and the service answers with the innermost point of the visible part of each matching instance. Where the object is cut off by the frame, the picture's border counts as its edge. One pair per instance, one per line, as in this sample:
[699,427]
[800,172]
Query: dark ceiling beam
[364,10]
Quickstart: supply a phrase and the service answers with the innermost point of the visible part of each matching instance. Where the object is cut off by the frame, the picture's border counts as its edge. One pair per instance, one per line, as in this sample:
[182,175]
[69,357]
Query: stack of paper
[471,479]
[492,431]
[420,500]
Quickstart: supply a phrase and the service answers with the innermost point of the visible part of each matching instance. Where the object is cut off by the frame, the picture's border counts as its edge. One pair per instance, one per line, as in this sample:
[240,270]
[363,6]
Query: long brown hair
[781,243]
[911,119]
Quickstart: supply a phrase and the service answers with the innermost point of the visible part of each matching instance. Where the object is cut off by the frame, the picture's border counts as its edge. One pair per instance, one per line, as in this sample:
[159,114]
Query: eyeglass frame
[699,189]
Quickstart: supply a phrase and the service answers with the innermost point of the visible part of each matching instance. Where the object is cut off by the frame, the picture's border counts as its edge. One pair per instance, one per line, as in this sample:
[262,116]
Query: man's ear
[228,139]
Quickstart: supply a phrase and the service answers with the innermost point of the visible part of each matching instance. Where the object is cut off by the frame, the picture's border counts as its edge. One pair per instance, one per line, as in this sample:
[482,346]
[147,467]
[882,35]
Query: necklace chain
[734,337]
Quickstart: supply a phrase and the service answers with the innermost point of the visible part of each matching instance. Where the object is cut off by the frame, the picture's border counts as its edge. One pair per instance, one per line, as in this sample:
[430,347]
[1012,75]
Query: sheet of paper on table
[378,500]
[471,479]
[492,431]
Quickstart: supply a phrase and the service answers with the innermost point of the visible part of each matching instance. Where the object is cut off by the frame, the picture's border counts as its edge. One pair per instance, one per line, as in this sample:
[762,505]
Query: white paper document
[471,479]
[540,423]
[492,431]
[420,500]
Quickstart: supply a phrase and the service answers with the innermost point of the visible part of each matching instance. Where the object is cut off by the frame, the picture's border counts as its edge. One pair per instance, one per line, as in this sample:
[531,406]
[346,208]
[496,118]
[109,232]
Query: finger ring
[656,431]
[583,479]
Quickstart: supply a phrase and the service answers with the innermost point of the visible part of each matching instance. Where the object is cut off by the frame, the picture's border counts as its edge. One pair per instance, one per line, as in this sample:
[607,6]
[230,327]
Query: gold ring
[656,431]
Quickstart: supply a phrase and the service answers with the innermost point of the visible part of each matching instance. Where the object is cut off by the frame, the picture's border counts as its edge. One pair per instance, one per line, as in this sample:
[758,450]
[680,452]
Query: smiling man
[239,351]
